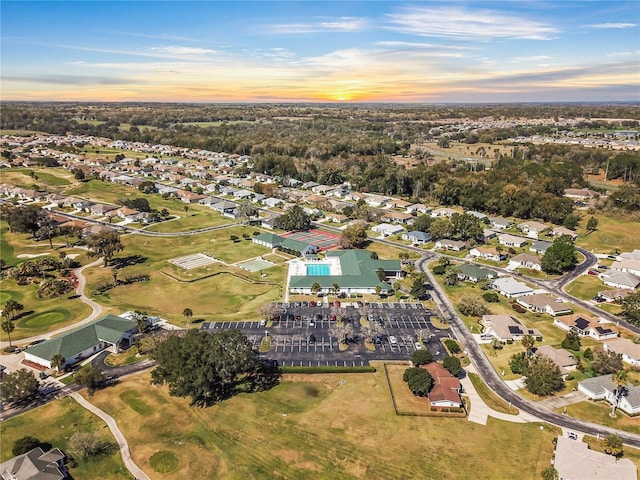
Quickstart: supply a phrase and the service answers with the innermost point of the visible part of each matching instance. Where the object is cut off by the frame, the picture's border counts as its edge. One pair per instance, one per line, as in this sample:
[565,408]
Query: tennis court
[321,239]
[255,264]
[197,260]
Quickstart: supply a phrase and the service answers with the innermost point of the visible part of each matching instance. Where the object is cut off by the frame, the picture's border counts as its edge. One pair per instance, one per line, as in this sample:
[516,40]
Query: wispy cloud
[176,50]
[69,79]
[530,59]
[613,25]
[456,22]
[322,24]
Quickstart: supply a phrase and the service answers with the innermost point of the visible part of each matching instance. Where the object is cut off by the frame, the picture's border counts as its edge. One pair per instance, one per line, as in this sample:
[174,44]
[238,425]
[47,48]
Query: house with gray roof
[511,288]
[629,350]
[603,388]
[574,460]
[559,356]
[617,279]
[507,327]
[36,464]
[110,332]
[539,246]
[272,240]
[417,236]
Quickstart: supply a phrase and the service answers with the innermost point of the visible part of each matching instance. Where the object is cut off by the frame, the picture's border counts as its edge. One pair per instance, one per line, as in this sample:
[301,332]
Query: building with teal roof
[354,271]
[110,332]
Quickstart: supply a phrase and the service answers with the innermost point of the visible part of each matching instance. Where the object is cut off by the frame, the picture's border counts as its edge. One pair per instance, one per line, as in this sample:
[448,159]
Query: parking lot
[300,334]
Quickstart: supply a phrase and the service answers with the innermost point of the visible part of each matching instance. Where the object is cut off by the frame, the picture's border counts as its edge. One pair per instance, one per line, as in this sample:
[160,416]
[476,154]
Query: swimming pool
[318,269]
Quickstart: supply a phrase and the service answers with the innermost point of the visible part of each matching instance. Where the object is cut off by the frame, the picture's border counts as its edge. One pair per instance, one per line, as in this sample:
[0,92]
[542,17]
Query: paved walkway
[136,471]
[480,411]
[96,310]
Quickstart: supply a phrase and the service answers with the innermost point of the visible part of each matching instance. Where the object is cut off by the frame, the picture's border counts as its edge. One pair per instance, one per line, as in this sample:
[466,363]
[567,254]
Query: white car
[418,345]
[393,340]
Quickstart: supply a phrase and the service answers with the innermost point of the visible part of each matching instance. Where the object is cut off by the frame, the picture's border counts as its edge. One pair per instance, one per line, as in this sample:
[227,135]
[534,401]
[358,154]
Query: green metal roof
[106,329]
[474,271]
[270,238]
[296,245]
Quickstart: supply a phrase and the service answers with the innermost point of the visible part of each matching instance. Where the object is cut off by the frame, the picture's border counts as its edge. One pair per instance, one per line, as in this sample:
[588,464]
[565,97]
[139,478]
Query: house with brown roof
[629,350]
[563,359]
[507,327]
[525,260]
[396,217]
[490,253]
[585,326]
[532,228]
[446,389]
[560,231]
[448,244]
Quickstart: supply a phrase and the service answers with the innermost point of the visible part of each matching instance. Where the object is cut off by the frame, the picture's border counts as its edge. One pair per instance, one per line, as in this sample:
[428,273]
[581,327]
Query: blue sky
[473,51]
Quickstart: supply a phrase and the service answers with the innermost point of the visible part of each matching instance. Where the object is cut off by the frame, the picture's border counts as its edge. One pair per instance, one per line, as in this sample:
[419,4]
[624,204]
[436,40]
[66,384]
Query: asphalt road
[493,380]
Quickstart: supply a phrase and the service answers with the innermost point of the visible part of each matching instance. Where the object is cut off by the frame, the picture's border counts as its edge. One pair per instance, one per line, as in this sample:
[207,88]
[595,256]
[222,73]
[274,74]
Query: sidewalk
[136,471]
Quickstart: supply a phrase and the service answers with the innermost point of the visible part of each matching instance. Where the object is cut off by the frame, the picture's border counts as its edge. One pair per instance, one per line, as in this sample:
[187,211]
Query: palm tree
[8,326]
[187,312]
[58,361]
[620,380]
[527,342]
[316,287]
[336,289]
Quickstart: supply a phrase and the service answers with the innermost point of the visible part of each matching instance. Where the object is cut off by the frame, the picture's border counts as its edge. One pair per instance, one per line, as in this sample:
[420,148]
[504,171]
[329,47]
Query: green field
[613,233]
[598,412]
[215,123]
[46,177]
[586,287]
[339,426]
[195,218]
[55,423]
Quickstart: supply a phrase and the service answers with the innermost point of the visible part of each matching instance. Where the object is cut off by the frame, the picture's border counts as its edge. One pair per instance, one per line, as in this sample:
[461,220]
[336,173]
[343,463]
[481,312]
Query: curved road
[493,380]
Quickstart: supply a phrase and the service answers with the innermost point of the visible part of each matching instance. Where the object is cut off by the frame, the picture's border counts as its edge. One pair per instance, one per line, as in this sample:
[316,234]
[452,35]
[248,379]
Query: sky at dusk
[321,51]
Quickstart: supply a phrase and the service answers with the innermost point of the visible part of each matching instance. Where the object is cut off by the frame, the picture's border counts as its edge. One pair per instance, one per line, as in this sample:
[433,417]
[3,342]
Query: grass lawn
[55,423]
[194,219]
[598,412]
[586,287]
[52,177]
[339,426]
[631,453]
[220,297]
[489,397]
[42,314]
[612,233]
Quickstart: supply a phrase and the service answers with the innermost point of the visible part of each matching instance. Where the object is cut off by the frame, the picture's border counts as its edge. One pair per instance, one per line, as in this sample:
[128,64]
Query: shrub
[588,354]
[445,410]
[439,270]
[421,357]
[518,308]
[26,444]
[452,346]
[418,380]
[491,297]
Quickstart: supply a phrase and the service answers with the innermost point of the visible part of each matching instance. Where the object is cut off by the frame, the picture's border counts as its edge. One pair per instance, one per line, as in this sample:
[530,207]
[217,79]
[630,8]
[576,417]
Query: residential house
[511,240]
[443,212]
[226,208]
[507,327]
[525,260]
[309,185]
[635,255]
[540,303]
[418,208]
[125,213]
[627,265]
[574,460]
[336,217]
[585,326]
[614,295]
[499,223]
[208,201]
[109,332]
[475,273]
[271,240]
[189,197]
[540,246]
[269,223]
[511,288]
[101,209]
[581,194]
[478,215]
[386,229]
[533,229]
[617,279]
[629,350]
[397,203]
[397,217]
[376,200]
[272,202]
[453,245]
[560,231]
[563,359]
[446,389]
[417,237]
[602,388]
[487,235]
[489,253]
[36,464]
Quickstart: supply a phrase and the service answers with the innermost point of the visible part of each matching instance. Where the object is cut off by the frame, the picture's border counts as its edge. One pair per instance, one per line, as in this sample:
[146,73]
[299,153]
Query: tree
[382,275]
[354,236]
[26,444]
[559,257]
[185,208]
[472,306]
[316,288]
[422,223]
[19,386]
[204,366]
[571,341]
[453,365]
[613,445]
[592,224]
[246,211]
[421,357]
[491,297]
[631,308]
[607,362]
[90,377]
[465,226]
[104,244]
[571,221]
[518,363]
[8,326]
[418,289]
[620,379]
[550,473]
[78,174]
[85,445]
[418,380]
[588,354]
[25,219]
[336,289]
[47,228]
[294,219]
[187,312]
[543,376]
[343,331]
[440,228]
[58,361]
[528,341]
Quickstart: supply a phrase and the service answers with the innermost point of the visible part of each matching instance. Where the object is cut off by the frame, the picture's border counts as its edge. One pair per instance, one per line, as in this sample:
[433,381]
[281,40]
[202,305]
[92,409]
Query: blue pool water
[319,269]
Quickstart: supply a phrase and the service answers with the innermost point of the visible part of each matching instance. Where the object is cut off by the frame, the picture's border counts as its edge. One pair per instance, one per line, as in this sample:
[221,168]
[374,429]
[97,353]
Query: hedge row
[326,369]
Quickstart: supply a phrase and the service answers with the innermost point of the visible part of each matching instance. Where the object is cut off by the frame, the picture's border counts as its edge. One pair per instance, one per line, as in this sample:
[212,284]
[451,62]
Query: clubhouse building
[354,271]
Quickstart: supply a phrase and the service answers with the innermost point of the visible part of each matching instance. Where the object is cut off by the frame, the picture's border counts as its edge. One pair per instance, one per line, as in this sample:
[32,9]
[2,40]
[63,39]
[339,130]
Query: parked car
[312,338]
[312,303]
[572,435]
[393,340]
[592,272]
[377,339]
[263,322]
[418,346]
